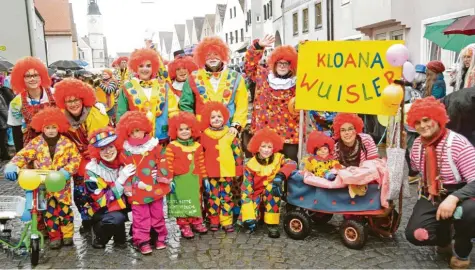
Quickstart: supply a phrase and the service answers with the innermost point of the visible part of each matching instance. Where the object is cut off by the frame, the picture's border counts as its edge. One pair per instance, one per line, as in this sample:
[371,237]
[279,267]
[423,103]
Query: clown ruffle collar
[279,83]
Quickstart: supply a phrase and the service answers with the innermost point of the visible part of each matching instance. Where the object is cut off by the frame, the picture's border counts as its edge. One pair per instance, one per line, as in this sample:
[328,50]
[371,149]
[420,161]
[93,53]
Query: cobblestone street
[237,250]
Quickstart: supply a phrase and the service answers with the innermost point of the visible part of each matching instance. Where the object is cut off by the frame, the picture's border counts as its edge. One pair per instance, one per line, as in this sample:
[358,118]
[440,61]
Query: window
[305,20]
[231,37]
[435,52]
[381,36]
[397,35]
[230,13]
[318,15]
[270,7]
[344,2]
[258,18]
[227,41]
[234,12]
[265,12]
[295,19]
[101,55]
[237,37]
[242,34]
[268,11]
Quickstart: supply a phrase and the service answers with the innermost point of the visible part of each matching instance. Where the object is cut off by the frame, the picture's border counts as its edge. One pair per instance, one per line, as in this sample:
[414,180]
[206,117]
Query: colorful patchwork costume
[180,62]
[106,93]
[321,166]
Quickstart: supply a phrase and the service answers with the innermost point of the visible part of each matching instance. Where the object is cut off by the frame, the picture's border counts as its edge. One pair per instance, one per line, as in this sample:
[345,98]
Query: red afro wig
[74,88]
[50,116]
[132,120]
[141,55]
[186,118]
[343,118]
[210,107]
[95,151]
[122,58]
[268,136]
[210,45]
[427,107]
[20,69]
[287,53]
[318,139]
[181,62]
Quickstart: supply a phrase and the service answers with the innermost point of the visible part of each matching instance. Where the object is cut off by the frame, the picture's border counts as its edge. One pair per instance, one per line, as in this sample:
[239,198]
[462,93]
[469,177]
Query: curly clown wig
[20,69]
[102,138]
[286,53]
[343,118]
[50,116]
[186,118]
[265,136]
[210,45]
[319,139]
[210,107]
[122,58]
[141,55]
[427,107]
[74,88]
[185,62]
[132,120]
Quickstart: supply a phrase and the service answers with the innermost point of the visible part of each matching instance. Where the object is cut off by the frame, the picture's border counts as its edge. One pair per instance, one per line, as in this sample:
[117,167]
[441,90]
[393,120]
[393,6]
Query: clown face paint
[108,152]
[184,132]
[216,119]
[181,74]
[74,105]
[105,76]
[50,131]
[266,149]
[145,70]
[137,134]
[213,60]
[32,79]
[348,134]
[282,67]
[427,128]
[323,152]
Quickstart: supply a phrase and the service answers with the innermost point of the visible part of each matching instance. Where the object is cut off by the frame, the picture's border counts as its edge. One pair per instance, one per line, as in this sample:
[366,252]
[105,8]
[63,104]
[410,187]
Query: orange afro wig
[343,118]
[94,151]
[50,116]
[318,139]
[183,118]
[427,107]
[74,88]
[122,58]
[132,120]
[210,107]
[268,136]
[181,62]
[108,71]
[141,55]
[287,53]
[210,45]
[20,69]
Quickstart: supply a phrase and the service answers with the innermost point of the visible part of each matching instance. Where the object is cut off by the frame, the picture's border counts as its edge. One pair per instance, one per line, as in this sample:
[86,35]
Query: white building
[178,40]
[165,45]
[96,35]
[197,29]
[233,29]
[219,20]
[208,25]
[188,33]
[85,51]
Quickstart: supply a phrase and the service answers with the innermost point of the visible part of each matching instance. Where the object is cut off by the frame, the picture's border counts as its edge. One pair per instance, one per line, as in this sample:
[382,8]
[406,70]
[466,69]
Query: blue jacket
[438,89]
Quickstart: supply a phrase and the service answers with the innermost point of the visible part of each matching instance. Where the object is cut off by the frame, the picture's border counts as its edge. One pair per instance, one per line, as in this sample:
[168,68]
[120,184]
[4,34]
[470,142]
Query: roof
[39,15]
[93,8]
[222,11]
[241,3]
[73,24]
[86,40]
[189,27]
[198,23]
[120,54]
[167,38]
[57,16]
[180,33]
[211,18]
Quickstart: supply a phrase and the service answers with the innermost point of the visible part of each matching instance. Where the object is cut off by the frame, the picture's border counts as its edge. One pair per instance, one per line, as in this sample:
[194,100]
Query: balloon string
[384,135]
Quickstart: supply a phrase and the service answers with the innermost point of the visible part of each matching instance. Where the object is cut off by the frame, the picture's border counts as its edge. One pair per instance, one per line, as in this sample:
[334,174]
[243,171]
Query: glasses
[283,64]
[73,101]
[32,76]
[351,129]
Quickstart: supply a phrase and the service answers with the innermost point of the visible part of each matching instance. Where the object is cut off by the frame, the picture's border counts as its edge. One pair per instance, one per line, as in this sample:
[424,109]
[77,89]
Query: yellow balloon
[29,180]
[383,120]
[392,95]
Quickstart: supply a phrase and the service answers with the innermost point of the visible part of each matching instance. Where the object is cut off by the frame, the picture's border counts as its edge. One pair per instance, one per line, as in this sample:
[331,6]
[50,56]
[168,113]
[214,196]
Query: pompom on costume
[145,191]
[223,162]
[57,154]
[321,166]
[186,165]
[154,96]
[259,175]
[22,108]
[180,62]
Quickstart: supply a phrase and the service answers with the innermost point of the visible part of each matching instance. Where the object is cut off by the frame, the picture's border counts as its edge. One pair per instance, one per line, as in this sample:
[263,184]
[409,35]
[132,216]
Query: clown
[214,82]
[274,102]
[122,73]
[103,178]
[77,100]
[465,75]
[263,179]
[179,69]
[148,94]
[445,160]
[51,151]
[106,92]
[321,161]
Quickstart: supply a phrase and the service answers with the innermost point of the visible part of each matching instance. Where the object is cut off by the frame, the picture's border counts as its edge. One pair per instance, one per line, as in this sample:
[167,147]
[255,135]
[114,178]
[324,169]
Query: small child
[145,187]
[321,161]
[263,178]
[51,151]
[223,163]
[187,168]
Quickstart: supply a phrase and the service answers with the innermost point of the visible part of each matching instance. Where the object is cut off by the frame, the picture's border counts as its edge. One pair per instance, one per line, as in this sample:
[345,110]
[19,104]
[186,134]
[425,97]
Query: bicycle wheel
[35,251]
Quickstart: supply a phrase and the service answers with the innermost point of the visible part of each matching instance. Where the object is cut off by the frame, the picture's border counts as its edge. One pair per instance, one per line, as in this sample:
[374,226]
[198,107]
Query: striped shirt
[463,155]
[369,145]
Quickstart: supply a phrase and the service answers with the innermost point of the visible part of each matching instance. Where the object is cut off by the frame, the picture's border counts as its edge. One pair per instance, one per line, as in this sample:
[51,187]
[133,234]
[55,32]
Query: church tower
[96,34]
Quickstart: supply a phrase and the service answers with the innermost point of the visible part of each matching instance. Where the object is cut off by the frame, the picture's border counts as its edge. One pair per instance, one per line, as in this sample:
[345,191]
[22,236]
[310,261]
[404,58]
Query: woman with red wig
[186,166]
[352,146]
[31,84]
[214,82]
[179,69]
[106,92]
[445,160]
[274,99]
[122,73]
[263,179]
[148,93]
[77,100]
[103,183]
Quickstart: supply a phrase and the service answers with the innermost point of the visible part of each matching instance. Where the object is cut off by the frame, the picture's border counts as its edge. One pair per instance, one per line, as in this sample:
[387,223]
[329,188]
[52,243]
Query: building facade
[96,35]
[234,29]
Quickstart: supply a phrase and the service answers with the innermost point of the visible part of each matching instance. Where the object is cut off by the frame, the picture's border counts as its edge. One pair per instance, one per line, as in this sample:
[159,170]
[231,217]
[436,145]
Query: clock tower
[96,34]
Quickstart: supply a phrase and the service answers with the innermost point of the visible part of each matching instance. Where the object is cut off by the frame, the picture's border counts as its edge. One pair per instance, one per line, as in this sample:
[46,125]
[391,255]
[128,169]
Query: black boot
[274,230]
[120,237]
[97,241]
[85,226]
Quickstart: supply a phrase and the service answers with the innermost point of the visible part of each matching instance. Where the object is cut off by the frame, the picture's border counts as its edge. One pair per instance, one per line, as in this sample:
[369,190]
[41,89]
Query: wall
[297,6]
[40,42]
[59,48]
[237,22]
[342,18]
[14,35]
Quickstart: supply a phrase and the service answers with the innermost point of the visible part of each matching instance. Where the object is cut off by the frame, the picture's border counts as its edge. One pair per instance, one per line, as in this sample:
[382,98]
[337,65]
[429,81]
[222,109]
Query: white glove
[125,173]
[128,193]
[101,108]
[164,180]
[141,185]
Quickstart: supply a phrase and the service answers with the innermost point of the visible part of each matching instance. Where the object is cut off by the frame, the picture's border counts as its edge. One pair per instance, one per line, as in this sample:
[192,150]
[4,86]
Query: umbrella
[66,64]
[463,26]
[435,33]
[5,65]
[81,63]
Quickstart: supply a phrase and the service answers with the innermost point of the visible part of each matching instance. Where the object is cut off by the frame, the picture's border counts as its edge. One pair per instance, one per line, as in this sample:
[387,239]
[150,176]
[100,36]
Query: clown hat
[103,138]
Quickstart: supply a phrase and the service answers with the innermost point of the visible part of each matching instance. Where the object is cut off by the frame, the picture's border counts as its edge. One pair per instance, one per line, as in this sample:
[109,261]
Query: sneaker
[200,228]
[186,232]
[68,242]
[228,229]
[274,231]
[145,249]
[456,263]
[214,227]
[55,244]
[160,245]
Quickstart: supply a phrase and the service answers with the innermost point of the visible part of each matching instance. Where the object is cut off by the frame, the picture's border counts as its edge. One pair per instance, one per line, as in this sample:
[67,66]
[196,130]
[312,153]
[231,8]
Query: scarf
[350,155]
[115,164]
[51,142]
[188,142]
[76,121]
[264,161]
[431,170]
[137,142]
[216,129]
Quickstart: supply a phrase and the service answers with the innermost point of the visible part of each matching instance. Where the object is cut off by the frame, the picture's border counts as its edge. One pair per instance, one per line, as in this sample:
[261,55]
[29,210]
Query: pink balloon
[397,55]
[408,71]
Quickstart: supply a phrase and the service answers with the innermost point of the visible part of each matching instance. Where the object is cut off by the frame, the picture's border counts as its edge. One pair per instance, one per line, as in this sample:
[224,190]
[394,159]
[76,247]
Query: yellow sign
[345,76]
